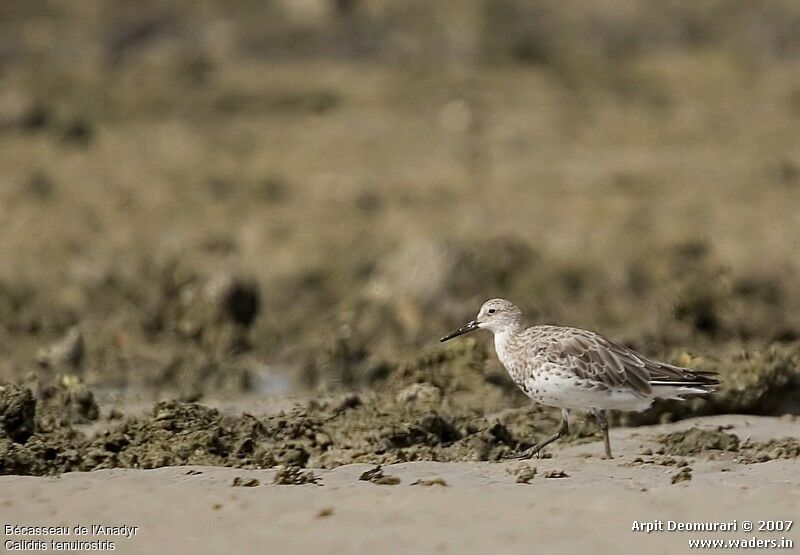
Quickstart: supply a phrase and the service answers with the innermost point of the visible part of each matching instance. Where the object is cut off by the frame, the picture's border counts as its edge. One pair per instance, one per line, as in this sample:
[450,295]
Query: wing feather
[595,358]
[607,364]
[610,364]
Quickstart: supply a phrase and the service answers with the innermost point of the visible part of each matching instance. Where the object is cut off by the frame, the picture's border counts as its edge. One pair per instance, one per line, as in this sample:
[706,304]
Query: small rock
[294,476]
[683,475]
[376,476]
[523,471]
[325,512]
[556,474]
[431,482]
[240,482]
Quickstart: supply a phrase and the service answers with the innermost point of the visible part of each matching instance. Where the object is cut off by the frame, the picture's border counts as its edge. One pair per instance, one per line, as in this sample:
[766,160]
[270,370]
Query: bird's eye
[491,311]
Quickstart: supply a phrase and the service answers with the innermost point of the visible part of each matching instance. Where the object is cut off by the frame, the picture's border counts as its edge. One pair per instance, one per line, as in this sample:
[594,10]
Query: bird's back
[595,362]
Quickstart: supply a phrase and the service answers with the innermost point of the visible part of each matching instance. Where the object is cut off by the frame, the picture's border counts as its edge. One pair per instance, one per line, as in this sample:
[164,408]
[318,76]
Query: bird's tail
[676,382]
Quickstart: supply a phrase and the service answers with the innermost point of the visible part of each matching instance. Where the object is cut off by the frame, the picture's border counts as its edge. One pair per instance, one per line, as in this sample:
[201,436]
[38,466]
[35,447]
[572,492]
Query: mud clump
[325,512]
[379,431]
[17,413]
[69,402]
[376,430]
[696,440]
[431,482]
[683,475]
[754,452]
[294,476]
[240,482]
[44,453]
[378,476]
[36,436]
[660,460]
[179,434]
[523,472]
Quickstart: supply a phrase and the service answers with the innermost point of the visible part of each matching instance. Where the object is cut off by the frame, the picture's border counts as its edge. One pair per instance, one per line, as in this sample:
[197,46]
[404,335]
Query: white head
[496,315]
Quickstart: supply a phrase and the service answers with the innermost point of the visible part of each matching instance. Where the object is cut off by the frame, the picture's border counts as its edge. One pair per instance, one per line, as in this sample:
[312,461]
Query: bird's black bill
[466,328]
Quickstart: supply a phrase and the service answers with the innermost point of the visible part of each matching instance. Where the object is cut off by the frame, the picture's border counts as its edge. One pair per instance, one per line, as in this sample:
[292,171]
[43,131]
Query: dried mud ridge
[441,407]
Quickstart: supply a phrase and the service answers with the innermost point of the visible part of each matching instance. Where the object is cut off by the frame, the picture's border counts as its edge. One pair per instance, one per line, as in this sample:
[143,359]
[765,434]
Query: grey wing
[611,365]
[606,363]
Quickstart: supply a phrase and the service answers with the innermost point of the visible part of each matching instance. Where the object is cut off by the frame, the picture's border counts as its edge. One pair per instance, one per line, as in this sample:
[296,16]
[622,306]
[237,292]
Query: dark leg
[563,428]
[601,419]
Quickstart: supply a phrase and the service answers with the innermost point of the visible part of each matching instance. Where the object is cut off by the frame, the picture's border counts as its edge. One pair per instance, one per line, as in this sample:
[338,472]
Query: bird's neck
[503,344]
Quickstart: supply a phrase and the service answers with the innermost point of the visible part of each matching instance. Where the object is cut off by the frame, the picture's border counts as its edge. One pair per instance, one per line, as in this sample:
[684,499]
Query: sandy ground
[482,508]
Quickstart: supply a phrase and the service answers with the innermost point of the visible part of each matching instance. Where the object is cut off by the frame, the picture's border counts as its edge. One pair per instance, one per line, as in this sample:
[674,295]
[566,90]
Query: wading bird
[575,369]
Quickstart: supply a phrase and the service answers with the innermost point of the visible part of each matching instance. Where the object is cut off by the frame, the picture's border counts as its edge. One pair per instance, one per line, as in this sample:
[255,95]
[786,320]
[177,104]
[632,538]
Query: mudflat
[573,501]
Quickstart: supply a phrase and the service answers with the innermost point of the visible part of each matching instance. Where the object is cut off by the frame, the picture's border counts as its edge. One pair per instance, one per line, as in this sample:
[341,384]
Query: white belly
[556,387]
[564,392]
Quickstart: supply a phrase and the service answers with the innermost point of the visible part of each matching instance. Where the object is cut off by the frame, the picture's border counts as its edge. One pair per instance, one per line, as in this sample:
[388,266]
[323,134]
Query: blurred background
[221,198]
